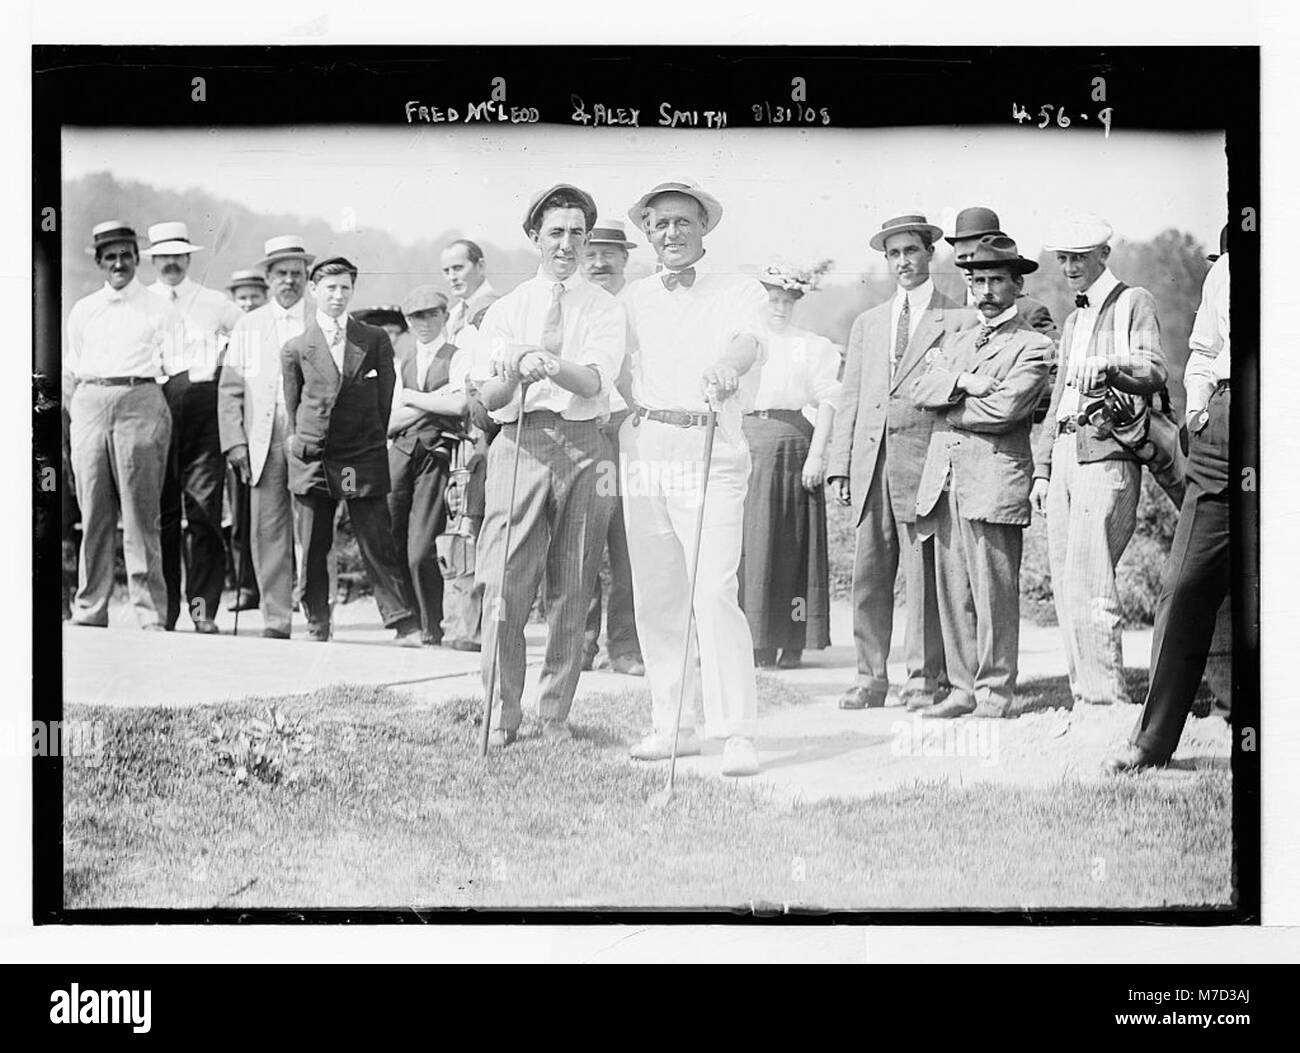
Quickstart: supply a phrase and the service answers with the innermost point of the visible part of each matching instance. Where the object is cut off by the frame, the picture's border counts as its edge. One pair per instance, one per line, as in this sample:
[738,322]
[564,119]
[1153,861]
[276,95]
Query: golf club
[239,583]
[660,799]
[498,610]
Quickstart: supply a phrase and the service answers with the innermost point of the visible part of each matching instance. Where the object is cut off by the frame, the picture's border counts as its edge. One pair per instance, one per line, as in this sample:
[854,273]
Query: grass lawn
[393,808]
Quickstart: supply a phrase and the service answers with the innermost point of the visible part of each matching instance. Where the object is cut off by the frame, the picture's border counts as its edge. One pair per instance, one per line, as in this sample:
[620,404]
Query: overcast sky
[801,194]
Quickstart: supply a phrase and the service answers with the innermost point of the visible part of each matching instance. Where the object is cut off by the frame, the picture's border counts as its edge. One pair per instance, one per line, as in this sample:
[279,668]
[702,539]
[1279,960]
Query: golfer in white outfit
[698,335]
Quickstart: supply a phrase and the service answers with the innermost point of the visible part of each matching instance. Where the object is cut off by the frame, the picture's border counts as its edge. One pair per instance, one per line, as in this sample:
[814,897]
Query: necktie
[1081,300]
[684,278]
[553,327]
[175,295]
[986,331]
[904,333]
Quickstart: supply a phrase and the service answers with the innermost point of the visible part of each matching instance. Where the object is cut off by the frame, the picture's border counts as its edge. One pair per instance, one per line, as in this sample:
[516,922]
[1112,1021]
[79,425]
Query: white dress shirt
[457,370]
[1085,320]
[336,336]
[918,301]
[123,333]
[463,311]
[801,370]
[209,318]
[1210,360]
[289,322]
[593,333]
[680,333]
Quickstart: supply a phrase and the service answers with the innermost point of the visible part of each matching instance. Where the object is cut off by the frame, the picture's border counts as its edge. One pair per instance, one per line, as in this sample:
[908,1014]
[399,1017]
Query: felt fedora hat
[170,239]
[711,205]
[974,222]
[588,205]
[997,250]
[901,224]
[284,247]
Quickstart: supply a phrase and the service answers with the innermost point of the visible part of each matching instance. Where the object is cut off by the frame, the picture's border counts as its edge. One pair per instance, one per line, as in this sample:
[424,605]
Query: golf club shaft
[239,579]
[498,612]
[690,603]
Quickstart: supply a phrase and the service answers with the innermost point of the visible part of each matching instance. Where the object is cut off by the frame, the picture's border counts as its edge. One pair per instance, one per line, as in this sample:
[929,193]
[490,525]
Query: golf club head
[659,801]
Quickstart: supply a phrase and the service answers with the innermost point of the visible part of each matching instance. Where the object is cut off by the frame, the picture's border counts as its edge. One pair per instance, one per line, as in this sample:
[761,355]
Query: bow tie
[1081,300]
[672,279]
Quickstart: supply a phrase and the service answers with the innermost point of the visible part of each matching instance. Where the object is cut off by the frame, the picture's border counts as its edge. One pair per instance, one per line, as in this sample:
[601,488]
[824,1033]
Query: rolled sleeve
[604,342]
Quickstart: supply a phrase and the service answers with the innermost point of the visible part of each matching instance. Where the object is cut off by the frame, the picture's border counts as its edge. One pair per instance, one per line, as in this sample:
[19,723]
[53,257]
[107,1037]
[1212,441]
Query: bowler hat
[610,232]
[284,247]
[240,279]
[108,232]
[974,222]
[901,224]
[997,250]
[535,203]
[170,239]
[711,205]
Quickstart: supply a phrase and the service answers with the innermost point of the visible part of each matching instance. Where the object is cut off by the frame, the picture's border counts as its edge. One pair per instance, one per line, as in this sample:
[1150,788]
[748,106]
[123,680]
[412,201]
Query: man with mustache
[563,338]
[255,426]
[120,340]
[604,264]
[973,496]
[699,342]
[1086,482]
[878,450]
[196,470]
[248,289]
[465,270]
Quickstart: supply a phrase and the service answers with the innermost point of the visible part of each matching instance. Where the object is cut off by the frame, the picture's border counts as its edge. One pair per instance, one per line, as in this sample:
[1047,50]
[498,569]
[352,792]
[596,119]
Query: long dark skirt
[784,568]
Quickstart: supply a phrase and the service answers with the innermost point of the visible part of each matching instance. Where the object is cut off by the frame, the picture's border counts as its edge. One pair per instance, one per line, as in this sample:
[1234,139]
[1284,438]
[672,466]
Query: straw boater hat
[902,224]
[170,239]
[284,247]
[108,232]
[974,223]
[241,279]
[997,250]
[588,205]
[384,314]
[610,232]
[1078,233]
[711,205]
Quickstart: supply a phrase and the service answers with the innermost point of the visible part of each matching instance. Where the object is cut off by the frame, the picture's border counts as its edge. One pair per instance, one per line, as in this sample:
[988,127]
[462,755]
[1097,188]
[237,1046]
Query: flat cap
[1077,232]
[588,205]
[315,267]
[423,298]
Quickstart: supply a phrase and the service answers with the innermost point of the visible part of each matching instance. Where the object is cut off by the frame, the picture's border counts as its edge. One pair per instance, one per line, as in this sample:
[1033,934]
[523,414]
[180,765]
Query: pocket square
[371,375]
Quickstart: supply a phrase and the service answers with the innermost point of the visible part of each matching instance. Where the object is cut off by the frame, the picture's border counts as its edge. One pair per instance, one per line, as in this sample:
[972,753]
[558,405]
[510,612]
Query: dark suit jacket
[980,445]
[874,409]
[338,438]
[1140,373]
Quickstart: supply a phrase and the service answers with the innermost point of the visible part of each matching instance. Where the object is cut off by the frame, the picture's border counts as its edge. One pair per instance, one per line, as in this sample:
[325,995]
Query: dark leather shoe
[206,628]
[954,705]
[274,634]
[588,660]
[246,600]
[319,633]
[499,738]
[790,659]
[858,697]
[764,657]
[1130,759]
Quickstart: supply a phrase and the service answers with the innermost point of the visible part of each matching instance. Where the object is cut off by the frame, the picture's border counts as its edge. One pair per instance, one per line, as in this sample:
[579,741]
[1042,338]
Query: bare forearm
[822,429]
[583,381]
[497,392]
[446,404]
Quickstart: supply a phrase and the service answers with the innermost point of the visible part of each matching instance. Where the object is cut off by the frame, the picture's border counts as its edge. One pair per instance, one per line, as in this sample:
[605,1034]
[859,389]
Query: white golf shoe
[739,757]
[656,746]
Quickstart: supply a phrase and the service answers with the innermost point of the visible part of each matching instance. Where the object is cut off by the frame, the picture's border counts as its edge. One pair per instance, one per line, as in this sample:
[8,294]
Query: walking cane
[660,799]
[239,581]
[498,613]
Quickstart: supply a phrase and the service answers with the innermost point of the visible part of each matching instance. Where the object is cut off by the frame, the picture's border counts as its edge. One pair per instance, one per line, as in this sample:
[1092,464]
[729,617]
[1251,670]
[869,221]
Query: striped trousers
[1091,515]
[558,512]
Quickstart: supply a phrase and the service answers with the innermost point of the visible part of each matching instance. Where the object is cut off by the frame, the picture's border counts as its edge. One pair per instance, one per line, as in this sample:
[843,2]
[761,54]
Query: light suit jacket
[980,446]
[246,392]
[872,405]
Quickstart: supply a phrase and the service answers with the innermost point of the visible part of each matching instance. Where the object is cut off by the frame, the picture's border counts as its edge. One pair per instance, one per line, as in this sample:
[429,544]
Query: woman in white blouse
[784,572]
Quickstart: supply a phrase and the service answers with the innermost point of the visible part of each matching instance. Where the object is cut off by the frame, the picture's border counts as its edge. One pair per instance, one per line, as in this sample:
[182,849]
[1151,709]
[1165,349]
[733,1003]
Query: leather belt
[678,418]
[117,381]
[776,414]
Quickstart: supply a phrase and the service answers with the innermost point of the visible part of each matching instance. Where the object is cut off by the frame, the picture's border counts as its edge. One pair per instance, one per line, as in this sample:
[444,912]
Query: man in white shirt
[699,342]
[195,468]
[254,427]
[558,342]
[604,263]
[1085,481]
[877,453]
[1198,571]
[120,340]
[423,430]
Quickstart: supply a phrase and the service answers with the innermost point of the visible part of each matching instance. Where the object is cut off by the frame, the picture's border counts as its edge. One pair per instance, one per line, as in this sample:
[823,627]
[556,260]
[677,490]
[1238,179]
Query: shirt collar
[328,324]
[432,349]
[126,292]
[919,298]
[570,283]
[699,267]
[484,291]
[296,311]
[1000,319]
[182,287]
[1101,288]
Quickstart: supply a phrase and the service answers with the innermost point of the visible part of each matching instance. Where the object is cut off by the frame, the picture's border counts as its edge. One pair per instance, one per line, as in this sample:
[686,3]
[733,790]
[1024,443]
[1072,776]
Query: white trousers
[661,468]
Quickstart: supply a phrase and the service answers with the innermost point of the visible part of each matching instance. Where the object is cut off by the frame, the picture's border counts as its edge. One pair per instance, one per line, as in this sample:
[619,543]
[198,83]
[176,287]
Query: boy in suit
[877,451]
[338,394]
[974,490]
